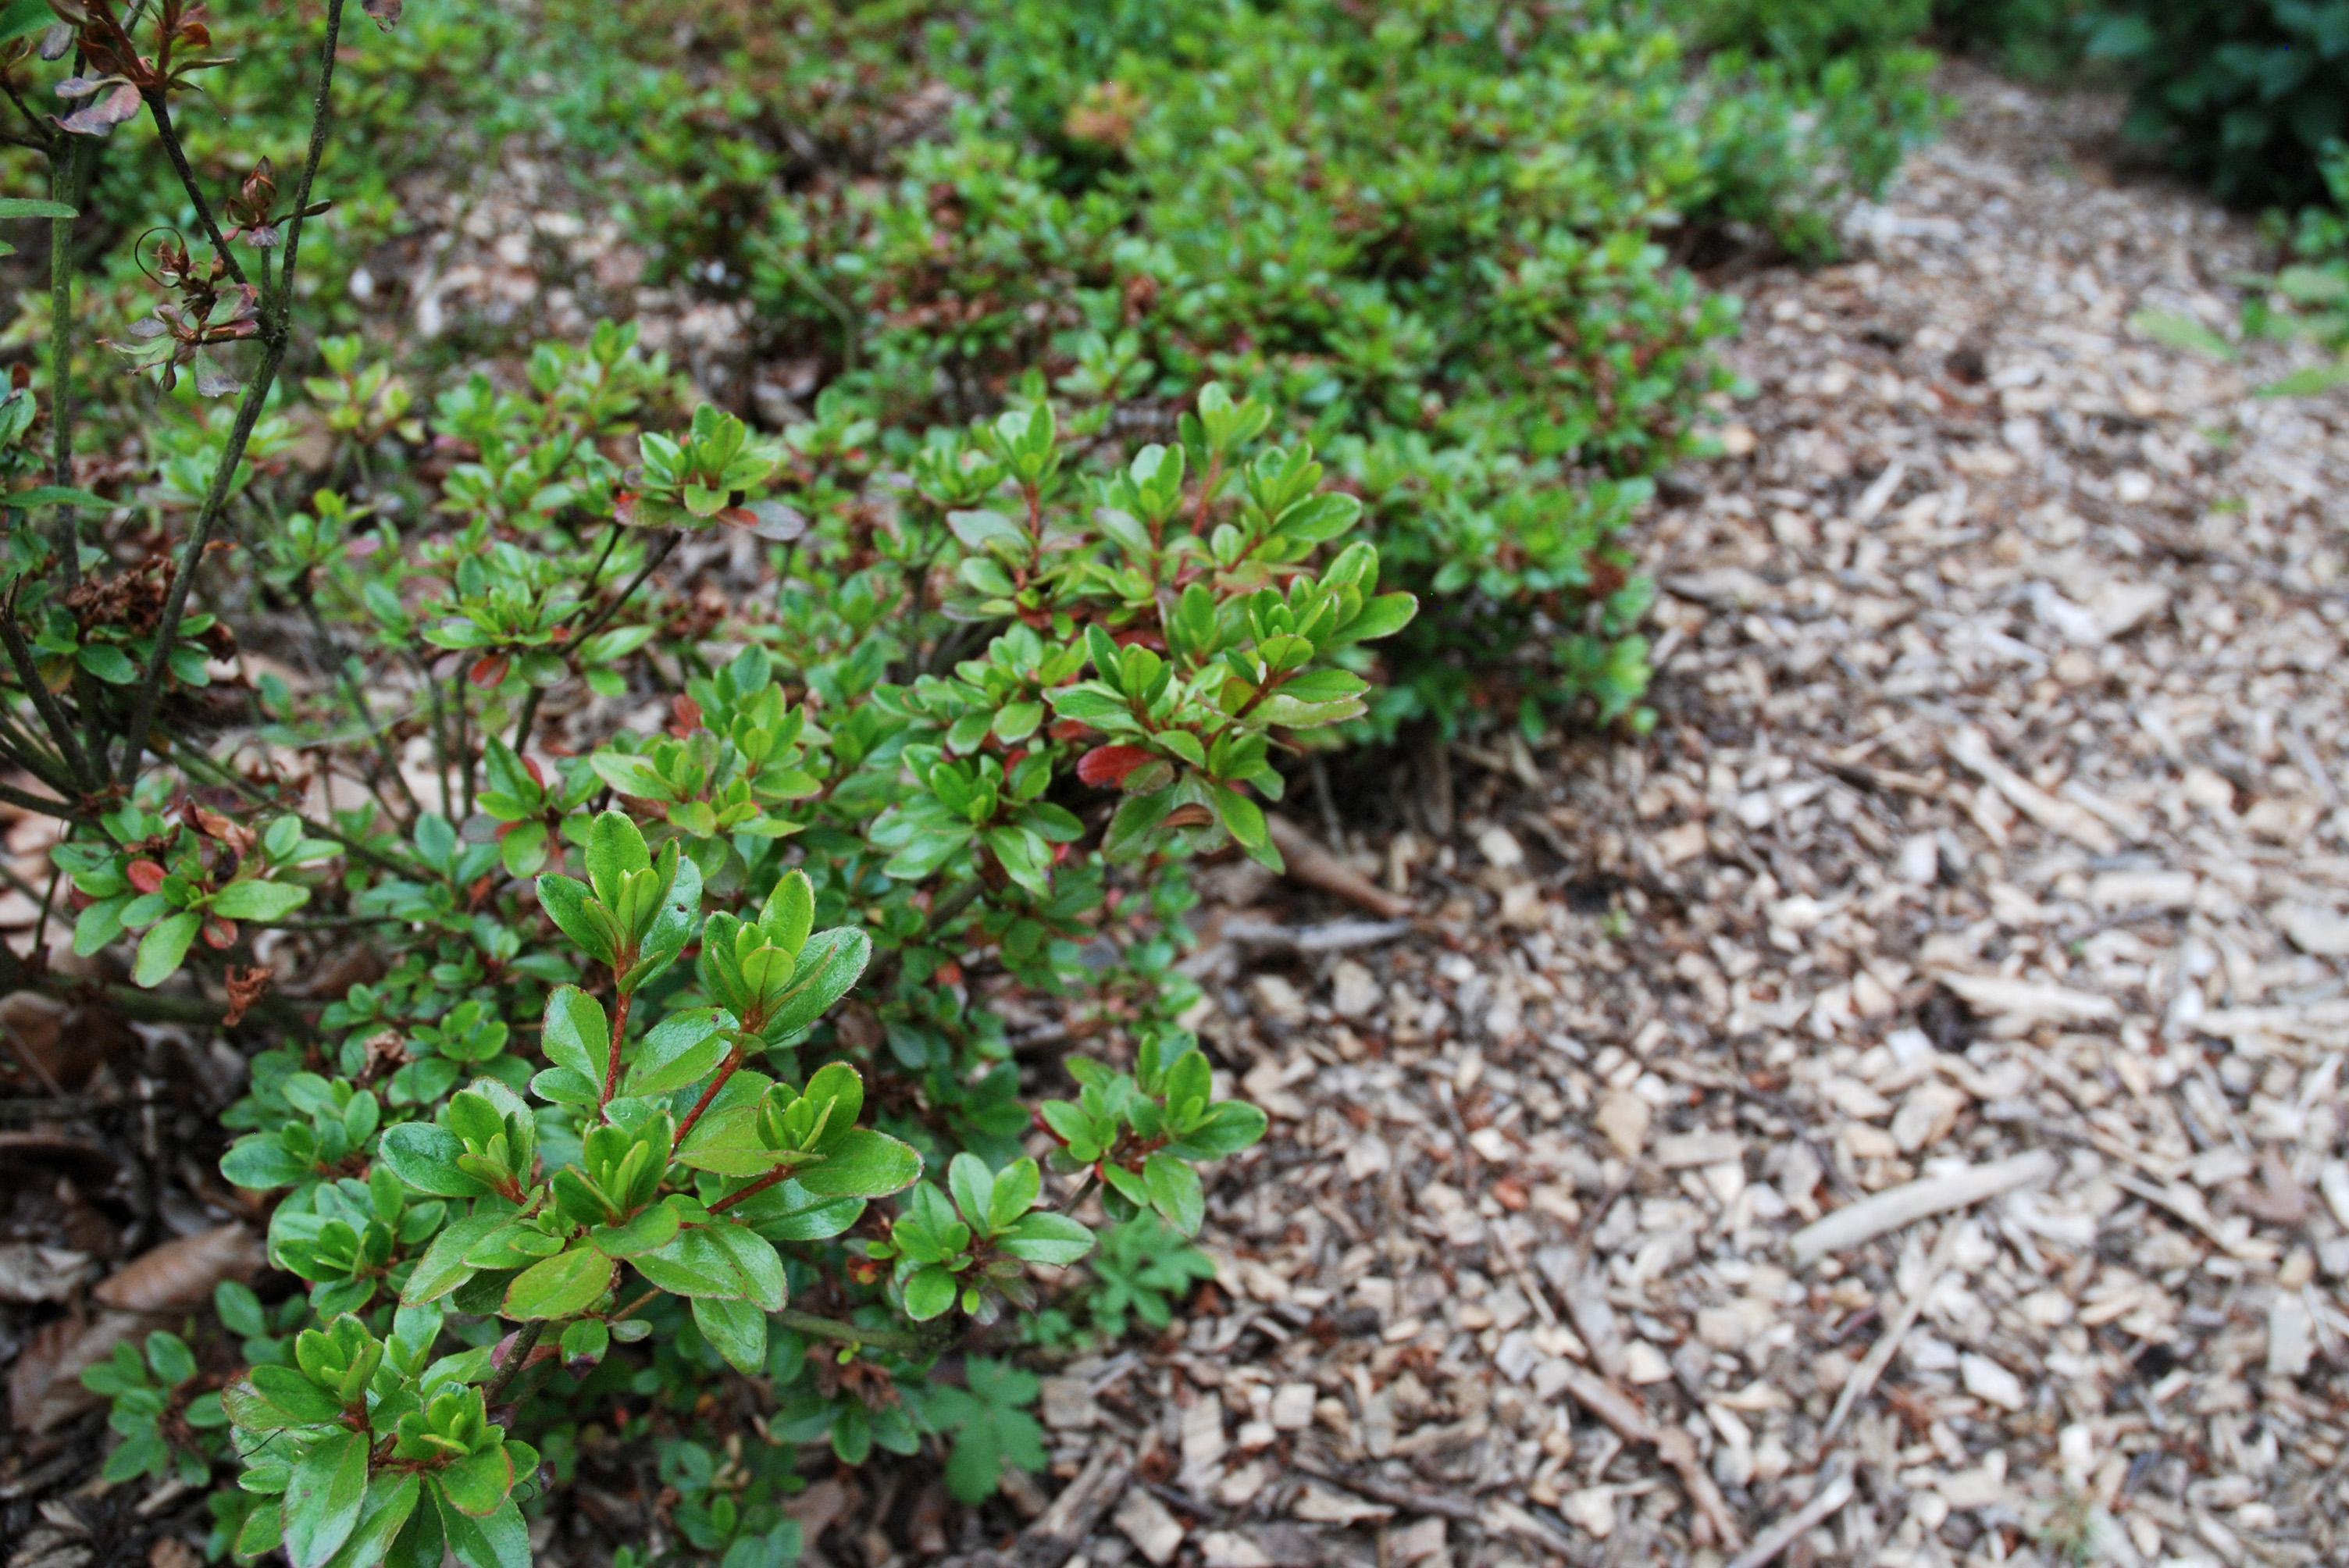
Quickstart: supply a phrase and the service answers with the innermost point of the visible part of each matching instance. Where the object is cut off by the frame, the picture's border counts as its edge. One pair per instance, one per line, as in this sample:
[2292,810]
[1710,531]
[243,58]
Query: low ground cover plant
[1450,245]
[754,849]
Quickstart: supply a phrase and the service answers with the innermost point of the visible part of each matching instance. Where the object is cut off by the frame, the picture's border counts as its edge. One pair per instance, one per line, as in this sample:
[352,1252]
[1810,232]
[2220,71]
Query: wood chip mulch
[1893,1115]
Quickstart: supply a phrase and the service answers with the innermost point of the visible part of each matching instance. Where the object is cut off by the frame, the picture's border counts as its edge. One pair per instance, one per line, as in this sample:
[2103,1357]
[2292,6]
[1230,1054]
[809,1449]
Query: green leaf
[928,1293]
[566,1086]
[22,19]
[644,1231]
[587,1339]
[694,1264]
[167,1354]
[576,911]
[615,849]
[421,1542]
[577,1034]
[280,1398]
[444,1268]
[632,775]
[1243,819]
[107,663]
[1230,1126]
[1175,1192]
[163,946]
[758,1261]
[323,1497]
[57,495]
[259,1161]
[478,1483]
[837,1085]
[680,1049]
[2174,329]
[563,1285]
[1017,1187]
[864,1164]
[425,1157]
[736,1328]
[828,967]
[254,900]
[500,1540]
[392,1498]
[973,1186]
[2313,381]
[726,1143]
[1046,1239]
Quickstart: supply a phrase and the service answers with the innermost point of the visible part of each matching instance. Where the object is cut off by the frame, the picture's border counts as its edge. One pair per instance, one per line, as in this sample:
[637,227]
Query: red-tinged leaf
[489,670]
[1107,765]
[101,115]
[1069,729]
[537,774]
[220,934]
[146,875]
[739,517]
[686,716]
[1193,815]
[385,11]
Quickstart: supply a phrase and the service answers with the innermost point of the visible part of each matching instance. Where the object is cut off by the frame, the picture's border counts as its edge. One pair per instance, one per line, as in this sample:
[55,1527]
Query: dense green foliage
[1449,247]
[734,816]
[2246,94]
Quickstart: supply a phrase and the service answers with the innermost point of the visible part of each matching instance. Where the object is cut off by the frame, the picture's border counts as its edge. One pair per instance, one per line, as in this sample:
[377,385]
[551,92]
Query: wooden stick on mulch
[1316,867]
[1674,1447]
[1880,1354]
[1830,1498]
[1891,1209]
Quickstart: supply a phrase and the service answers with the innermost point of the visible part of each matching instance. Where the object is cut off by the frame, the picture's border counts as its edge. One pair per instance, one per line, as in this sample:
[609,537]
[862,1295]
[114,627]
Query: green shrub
[2035,39]
[671,1013]
[1441,240]
[727,807]
[2244,94]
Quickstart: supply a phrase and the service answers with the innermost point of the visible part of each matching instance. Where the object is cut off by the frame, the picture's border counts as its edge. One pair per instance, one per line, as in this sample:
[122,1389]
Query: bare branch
[275,330]
[160,111]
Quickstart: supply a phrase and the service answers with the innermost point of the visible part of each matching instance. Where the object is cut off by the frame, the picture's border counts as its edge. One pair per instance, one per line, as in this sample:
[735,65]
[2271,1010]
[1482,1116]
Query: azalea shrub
[703,924]
[696,1051]
[1453,246]
[697,880]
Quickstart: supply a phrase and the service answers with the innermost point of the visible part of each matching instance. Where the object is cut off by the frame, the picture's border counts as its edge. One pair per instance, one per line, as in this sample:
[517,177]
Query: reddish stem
[612,1068]
[760,1185]
[1208,493]
[725,1071]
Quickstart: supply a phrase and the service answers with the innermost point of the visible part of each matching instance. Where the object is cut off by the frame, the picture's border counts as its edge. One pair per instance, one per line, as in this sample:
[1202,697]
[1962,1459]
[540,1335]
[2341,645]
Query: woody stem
[619,1033]
[725,1071]
[760,1185]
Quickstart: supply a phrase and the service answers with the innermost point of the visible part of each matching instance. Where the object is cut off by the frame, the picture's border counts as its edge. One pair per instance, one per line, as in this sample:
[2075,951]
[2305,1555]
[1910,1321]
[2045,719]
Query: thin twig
[1880,1355]
[1632,1423]
[194,761]
[525,1341]
[275,331]
[385,752]
[530,702]
[907,1341]
[1825,1502]
[61,729]
[160,111]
